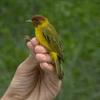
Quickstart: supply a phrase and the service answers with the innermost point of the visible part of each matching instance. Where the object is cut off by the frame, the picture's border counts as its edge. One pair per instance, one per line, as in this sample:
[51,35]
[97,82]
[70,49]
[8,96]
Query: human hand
[35,78]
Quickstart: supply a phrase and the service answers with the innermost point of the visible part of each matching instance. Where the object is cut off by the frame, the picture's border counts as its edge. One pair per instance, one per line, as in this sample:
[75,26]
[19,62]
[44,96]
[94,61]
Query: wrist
[11,96]
[7,96]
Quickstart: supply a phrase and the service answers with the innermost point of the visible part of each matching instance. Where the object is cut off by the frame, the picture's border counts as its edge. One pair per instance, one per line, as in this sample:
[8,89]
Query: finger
[34,41]
[40,49]
[46,66]
[31,48]
[43,58]
[29,45]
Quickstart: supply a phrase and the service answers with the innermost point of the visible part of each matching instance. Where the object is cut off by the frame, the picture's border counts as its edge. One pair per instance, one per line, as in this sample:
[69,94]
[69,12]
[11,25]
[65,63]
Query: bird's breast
[41,39]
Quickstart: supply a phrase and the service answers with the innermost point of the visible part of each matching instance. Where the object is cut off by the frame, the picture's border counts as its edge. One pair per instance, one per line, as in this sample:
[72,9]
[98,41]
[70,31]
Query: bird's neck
[43,25]
[40,27]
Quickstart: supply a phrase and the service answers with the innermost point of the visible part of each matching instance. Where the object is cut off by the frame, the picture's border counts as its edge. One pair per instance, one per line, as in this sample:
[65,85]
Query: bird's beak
[28,21]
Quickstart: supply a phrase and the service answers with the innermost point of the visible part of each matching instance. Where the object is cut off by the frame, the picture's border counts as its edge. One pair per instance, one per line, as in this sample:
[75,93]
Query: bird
[48,37]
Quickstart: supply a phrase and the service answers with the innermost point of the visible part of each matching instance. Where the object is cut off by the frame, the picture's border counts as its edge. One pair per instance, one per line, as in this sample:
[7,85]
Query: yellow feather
[40,38]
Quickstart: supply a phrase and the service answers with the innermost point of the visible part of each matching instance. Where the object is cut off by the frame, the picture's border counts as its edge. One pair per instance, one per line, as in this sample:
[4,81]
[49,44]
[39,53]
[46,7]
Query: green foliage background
[78,21]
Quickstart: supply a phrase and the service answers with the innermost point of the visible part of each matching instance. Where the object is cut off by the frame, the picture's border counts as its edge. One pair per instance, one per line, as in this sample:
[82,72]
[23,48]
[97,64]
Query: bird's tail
[58,66]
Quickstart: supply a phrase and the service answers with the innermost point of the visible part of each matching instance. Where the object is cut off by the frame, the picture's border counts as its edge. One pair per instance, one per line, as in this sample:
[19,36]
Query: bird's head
[38,20]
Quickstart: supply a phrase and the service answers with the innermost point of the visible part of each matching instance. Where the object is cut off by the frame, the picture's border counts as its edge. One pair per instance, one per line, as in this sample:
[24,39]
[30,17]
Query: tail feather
[59,69]
[58,66]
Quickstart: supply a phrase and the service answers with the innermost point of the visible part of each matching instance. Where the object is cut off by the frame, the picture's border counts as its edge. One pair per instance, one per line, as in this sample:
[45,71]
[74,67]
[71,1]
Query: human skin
[35,78]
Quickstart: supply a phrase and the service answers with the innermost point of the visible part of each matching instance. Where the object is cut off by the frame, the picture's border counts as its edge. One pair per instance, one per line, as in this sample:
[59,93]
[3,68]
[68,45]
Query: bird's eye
[36,20]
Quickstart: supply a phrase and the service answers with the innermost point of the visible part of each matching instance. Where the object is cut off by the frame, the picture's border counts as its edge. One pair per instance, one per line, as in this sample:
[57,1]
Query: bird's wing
[54,42]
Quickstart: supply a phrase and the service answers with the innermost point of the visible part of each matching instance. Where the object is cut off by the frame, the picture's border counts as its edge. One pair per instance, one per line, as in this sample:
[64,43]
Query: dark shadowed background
[78,21]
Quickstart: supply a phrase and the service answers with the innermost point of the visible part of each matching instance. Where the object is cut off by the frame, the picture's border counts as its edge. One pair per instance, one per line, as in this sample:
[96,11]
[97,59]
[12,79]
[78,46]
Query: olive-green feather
[54,41]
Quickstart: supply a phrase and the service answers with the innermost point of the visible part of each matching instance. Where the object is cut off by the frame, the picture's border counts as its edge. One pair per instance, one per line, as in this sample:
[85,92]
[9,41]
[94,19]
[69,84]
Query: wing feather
[54,41]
